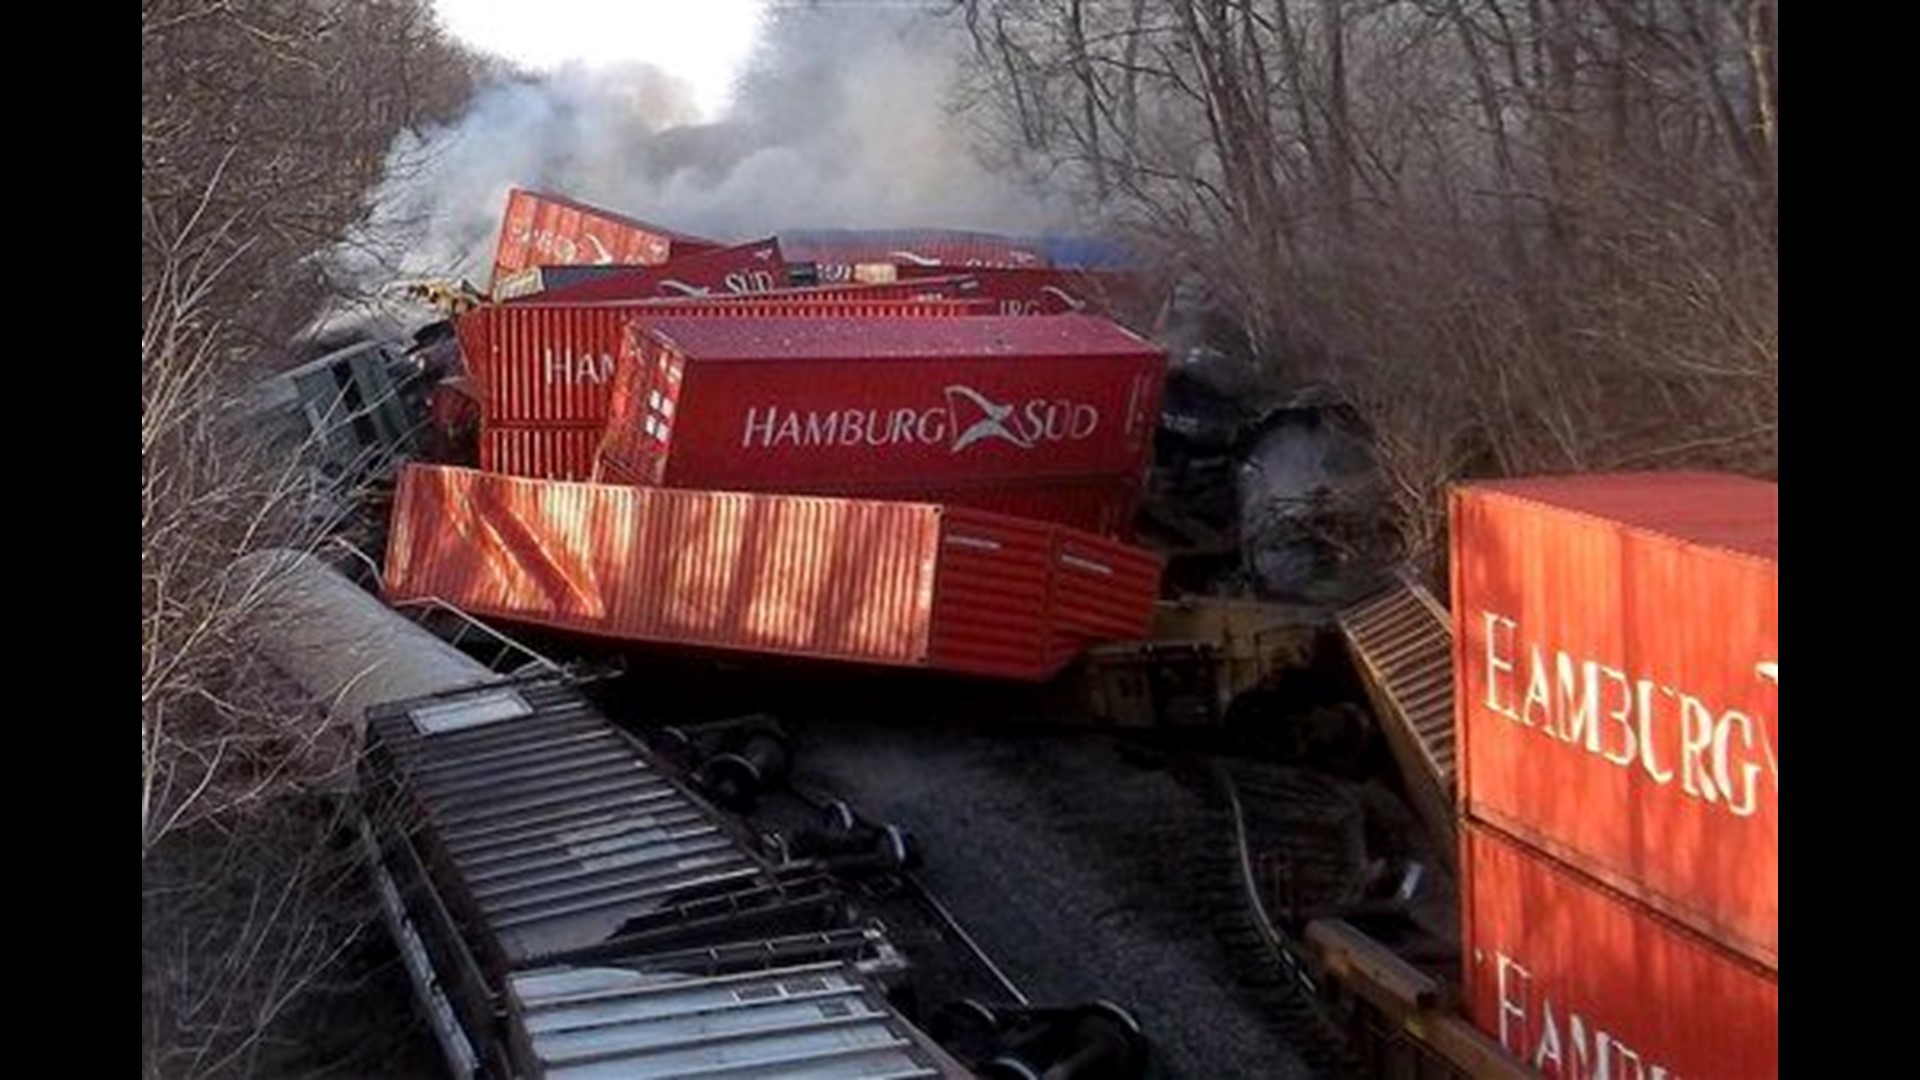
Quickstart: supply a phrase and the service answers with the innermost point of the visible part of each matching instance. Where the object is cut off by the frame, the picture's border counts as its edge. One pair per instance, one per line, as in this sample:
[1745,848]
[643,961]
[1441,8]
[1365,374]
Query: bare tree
[1527,235]
[262,123]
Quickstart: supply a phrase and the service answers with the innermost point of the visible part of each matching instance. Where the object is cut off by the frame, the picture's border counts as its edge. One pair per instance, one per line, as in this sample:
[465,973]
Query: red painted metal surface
[539,228]
[1579,981]
[1104,506]
[1611,707]
[892,583]
[944,286]
[742,270]
[553,363]
[1041,291]
[899,408]
[555,452]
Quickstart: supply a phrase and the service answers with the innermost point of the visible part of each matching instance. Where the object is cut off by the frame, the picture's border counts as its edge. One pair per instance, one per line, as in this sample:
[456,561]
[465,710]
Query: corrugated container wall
[901,584]
[746,269]
[1615,638]
[1579,982]
[547,229]
[556,452]
[884,408]
[553,363]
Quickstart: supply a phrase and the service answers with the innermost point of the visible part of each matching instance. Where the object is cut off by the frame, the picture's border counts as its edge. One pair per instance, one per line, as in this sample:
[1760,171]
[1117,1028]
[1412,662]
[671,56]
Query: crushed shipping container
[1613,708]
[836,254]
[882,408]
[1043,291]
[547,229]
[1578,982]
[535,280]
[886,583]
[745,269]
[553,363]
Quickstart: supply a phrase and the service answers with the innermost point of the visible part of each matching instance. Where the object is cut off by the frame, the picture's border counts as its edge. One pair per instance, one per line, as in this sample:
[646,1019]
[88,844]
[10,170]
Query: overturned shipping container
[844,255]
[742,270]
[887,409]
[888,583]
[540,229]
[1120,295]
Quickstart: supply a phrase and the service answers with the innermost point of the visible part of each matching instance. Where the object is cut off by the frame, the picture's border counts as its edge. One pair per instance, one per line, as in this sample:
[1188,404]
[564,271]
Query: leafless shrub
[1524,237]
[238,911]
[262,124]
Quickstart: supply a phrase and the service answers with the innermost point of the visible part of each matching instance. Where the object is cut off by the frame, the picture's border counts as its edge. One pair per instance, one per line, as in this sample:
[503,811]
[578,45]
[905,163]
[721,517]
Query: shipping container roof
[898,338]
[1720,510]
[611,215]
[883,245]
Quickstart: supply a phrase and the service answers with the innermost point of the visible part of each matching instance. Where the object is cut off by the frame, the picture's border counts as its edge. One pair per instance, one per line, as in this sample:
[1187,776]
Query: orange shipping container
[1615,639]
[1583,984]
[547,229]
[901,584]
[553,452]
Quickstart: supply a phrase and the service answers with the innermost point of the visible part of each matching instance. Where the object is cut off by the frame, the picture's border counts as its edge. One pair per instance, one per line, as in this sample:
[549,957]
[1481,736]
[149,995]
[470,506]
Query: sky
[703,42]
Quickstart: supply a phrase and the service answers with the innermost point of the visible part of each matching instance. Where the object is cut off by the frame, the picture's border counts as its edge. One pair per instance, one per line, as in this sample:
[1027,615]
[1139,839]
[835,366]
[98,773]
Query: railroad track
[1201,871]
[1146,862]
[1259,943]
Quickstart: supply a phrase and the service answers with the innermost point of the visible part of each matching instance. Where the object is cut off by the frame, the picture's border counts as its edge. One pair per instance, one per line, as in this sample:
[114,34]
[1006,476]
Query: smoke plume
[841,119]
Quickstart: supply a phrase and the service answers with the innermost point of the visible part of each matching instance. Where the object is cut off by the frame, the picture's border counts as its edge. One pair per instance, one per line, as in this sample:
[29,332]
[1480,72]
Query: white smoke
[840,120]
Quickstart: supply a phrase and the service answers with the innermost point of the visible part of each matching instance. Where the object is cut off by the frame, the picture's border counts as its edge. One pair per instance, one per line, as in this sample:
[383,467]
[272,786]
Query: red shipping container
[837,253]
[1612,708]
[548,229]
[535,280]
[1050,292]
[746,269]
[882,408]
[1578,981]
[553,363]
[1102,505]
[554,452]
[949,286]
[899,584]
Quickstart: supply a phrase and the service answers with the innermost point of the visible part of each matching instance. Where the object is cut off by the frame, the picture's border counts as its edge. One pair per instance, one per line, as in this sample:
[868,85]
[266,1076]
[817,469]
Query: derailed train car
[568,910]
[1589,734]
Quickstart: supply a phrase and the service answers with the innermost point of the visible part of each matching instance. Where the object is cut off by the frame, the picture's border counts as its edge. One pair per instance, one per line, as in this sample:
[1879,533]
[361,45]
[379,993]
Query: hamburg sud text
[1720,756]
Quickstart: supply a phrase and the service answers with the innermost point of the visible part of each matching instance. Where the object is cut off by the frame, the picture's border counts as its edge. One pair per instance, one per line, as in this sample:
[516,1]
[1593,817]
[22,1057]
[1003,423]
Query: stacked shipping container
[544,371]
[1615,641]
[741,270]
[1050,418]
[840,255]
[709,539]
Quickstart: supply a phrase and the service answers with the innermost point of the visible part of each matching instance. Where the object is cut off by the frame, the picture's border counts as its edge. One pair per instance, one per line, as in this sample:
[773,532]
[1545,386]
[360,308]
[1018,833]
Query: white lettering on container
[968,418]
[1576,1049]
[572,369]
[1639,724]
